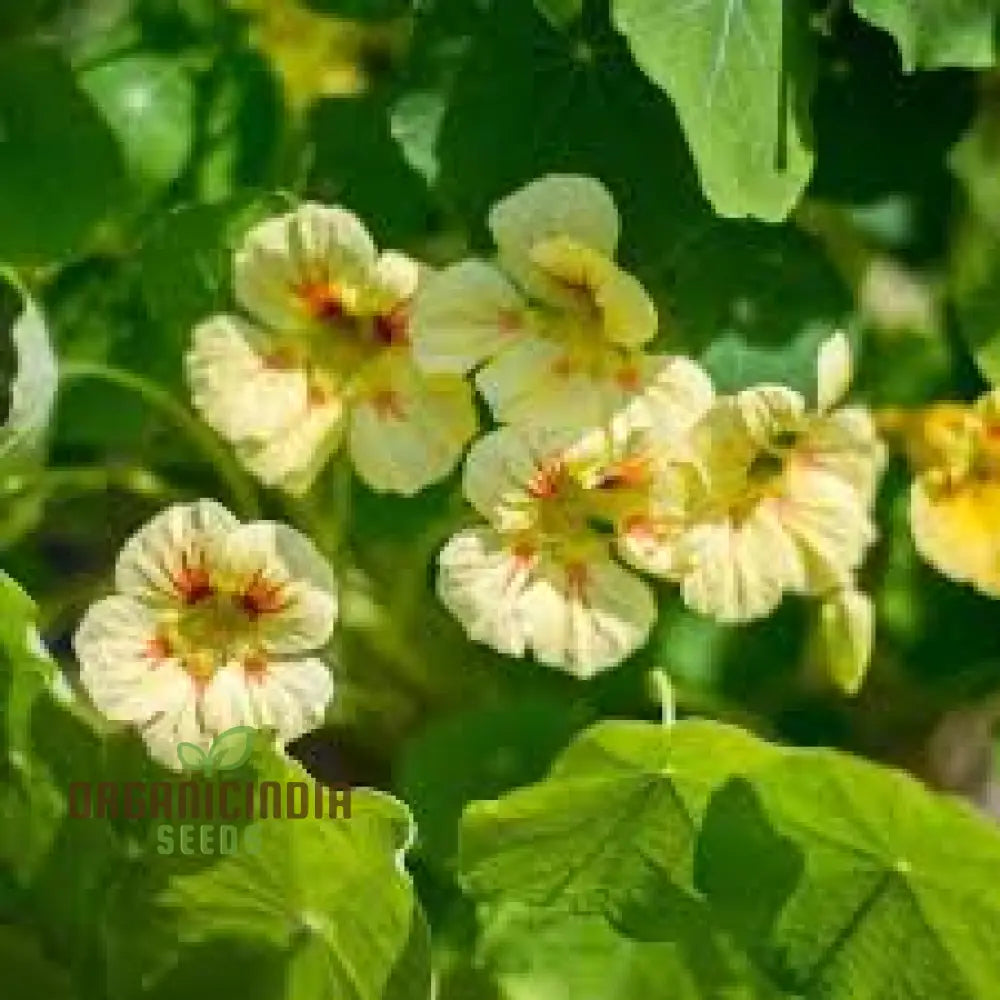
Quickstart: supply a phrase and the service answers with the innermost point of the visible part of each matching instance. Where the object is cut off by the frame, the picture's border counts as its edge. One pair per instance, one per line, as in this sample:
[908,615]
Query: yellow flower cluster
[611,461]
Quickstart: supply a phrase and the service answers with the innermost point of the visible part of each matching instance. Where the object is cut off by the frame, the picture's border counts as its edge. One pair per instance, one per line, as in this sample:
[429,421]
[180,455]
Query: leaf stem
[243,492]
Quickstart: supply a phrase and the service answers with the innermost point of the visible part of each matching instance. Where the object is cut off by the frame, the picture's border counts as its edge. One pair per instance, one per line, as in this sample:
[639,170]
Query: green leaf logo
[230,750]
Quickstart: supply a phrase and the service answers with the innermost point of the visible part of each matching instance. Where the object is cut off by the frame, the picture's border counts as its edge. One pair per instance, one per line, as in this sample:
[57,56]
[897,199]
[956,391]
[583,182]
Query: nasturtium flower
[214,624]
[955,498]
[555,327]
[325,356]
[776,499]
[540,575]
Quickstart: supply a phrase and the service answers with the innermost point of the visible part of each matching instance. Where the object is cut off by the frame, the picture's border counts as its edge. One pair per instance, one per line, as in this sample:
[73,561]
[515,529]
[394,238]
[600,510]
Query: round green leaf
[60,169]
[148,102]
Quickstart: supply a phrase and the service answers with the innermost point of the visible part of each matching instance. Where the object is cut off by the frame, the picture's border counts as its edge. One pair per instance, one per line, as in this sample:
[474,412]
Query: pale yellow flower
[214,624]
[555,327]
[955,499]
[776,499]
[540,575]
[325,357]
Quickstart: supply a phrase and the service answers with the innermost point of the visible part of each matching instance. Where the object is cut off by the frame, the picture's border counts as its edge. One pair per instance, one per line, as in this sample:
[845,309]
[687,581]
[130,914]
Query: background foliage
[783,167]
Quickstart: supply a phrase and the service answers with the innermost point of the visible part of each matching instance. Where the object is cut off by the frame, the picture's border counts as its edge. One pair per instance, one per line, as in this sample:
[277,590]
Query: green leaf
[32,389]
[739,74]
[476,754]
[975,292]
[232,749]
[60,170]
[888,869]
[562,13]
[811,871]
[323,905]
[149,103]
[932,35]
[614,822]
[536,956]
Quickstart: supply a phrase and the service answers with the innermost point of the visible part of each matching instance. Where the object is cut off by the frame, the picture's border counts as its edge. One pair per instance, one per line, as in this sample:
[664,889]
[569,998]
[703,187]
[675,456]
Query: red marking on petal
[392,329]
[322,301]
[192,582]
[629,378]
[629,472]
[262,598]
[387,403]
[510,320]
[255,667]
[577,579]
[563,367]
[158,649]
[640,526]
[546,482]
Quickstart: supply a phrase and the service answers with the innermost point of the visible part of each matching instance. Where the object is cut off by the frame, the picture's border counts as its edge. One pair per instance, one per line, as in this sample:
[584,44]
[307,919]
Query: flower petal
[482,580]
[835,371]
[559,205]
[526,384]
[292,458]
[738,572]
[315,243]
[666,396]
[125,678]
[226,701]
[958,532]
[233,386]
[846,444]
[463,315]
[397,276]
[291,697]
[257,555]
[830,524]
[408,430]
[586,617]
[180,538]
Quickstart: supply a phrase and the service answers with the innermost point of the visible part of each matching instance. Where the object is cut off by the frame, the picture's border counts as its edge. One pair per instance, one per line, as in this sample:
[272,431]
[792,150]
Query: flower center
[215,625]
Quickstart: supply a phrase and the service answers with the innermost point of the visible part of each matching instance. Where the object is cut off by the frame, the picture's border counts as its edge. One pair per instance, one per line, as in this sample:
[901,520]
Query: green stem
[139,481]
[239,484]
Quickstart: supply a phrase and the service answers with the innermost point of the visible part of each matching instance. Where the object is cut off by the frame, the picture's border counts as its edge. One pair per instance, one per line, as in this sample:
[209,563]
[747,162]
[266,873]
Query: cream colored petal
[178,723]
[114,646]
[408,429]
[648,535]
[276,556]
[847,637]
[292,697]
[769,411]
[958,532]
[464,315]
[397,276]
[315,243]
[586,617]
[846,444]
[830,524]
[295,456]
[233,386]
[835,371]
[527,384]
[666,397]
[630,318]
[482,581]
[559,205]
[226,701]
[738,572]
[184,535]
[502,465]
